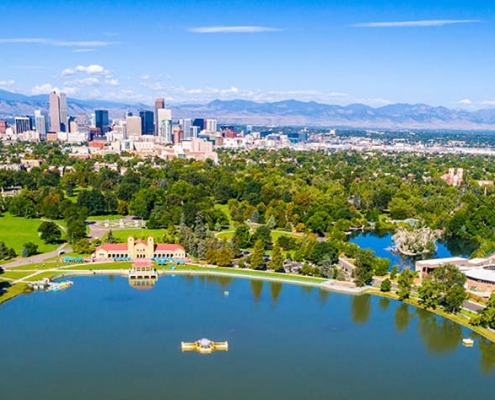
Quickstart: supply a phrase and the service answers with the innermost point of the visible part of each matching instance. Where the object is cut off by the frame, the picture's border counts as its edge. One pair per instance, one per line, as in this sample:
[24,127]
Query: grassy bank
[458,318]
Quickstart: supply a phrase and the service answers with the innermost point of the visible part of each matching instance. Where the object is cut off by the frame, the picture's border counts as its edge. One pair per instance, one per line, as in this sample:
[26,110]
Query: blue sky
[439,52]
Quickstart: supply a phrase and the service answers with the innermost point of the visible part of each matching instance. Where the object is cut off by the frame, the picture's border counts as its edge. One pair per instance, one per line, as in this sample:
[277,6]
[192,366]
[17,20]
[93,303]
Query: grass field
[15,231]
[138,233]
[110,217]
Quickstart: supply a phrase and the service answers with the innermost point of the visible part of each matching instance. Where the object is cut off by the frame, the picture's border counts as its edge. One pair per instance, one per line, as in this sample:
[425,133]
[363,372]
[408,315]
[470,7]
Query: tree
[393,272]
[82,246]
[429,294]
[381,266]
[49,232]
[386,285]
[405,282]
[224,257]
[264,234]
[454,298]
[29,249]
[277,261]
[76,230]
[258,256]
[243,235]
[110,238]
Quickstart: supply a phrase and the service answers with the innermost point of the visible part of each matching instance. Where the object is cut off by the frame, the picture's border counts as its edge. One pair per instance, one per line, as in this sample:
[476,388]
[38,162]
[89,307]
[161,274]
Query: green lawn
[141,233]
[110,217]
[15,274]
[15,231]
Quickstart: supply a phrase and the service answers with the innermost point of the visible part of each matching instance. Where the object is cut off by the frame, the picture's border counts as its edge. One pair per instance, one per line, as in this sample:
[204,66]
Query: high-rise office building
[101,122]
[159,104]
[63,112]
[200,123]
[147,122]
[186,125]
[54,112]
[133,126]
[41,123]
[22,124]
[210,125]
[3,126]
[164,118]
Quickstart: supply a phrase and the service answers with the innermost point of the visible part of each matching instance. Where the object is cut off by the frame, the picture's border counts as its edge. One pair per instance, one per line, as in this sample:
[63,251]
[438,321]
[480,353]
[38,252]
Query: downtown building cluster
[151,132]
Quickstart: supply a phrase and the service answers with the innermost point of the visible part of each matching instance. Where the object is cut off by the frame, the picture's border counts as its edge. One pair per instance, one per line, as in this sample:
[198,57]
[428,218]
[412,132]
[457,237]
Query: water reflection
[275,290]
[256,288]
[487,350]
[441,336]
[384,303]
[323,296]
[402,317]
[361,308]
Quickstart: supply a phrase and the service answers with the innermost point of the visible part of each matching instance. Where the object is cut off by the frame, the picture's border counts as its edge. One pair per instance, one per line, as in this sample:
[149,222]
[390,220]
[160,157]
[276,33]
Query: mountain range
[287,112]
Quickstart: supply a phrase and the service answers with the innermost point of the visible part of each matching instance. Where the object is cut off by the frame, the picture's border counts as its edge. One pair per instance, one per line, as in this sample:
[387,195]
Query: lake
[380,243]
[103,339]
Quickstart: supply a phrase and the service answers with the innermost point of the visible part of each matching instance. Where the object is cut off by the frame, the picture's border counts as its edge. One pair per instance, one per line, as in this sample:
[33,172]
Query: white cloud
[421,23]
[89,81]
[233,29]
[488,103]
[144,77]
[44,89]
[7,83]
[57,43]
[112,82]
[466,102]
[83,50]
[93,69]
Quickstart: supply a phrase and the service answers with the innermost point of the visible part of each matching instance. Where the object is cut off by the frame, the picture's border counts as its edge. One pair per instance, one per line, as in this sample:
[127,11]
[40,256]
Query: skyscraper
[101,121]
[22,124]
[133,126]
[41,123]
[54,112]
[164,118]
[63,112]
[159,104]
[186,125]
[200,123]
[147,122]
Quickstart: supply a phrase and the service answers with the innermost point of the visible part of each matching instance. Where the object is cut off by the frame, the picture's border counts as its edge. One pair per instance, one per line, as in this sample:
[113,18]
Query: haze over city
[376,52]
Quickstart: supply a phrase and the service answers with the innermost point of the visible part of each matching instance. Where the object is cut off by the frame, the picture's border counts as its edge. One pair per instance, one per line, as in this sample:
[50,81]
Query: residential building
[210,125]
[3,127]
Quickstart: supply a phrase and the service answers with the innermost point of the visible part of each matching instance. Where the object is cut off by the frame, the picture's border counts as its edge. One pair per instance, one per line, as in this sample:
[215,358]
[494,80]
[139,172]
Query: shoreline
[324,284]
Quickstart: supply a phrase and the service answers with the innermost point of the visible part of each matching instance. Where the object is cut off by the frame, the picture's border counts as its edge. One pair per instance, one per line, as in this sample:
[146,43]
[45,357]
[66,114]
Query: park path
[38,258]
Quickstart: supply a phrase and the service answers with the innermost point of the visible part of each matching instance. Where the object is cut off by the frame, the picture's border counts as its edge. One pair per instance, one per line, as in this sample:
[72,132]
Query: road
[39,258]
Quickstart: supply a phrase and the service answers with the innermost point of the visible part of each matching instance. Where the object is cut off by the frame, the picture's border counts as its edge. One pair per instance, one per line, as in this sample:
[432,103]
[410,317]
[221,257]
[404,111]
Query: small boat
[467,342]
[204,346]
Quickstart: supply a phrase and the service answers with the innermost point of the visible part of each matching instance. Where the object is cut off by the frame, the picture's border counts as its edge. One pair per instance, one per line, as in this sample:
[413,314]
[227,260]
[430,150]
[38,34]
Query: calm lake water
[380,243]
[102,339]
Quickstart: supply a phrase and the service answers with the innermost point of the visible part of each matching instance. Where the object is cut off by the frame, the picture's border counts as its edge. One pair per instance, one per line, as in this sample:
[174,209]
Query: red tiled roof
[168,247]
[141,241]
[113,247]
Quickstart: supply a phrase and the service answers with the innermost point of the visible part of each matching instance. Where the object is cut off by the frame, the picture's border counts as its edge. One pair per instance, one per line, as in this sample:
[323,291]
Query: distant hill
[287,112]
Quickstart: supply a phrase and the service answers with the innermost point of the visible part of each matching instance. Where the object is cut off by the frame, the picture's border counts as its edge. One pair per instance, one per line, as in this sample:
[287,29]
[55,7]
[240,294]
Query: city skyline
[375,53]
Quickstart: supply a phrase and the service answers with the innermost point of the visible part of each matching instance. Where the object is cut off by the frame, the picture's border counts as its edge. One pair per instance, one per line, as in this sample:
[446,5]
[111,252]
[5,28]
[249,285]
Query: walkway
[39,258]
